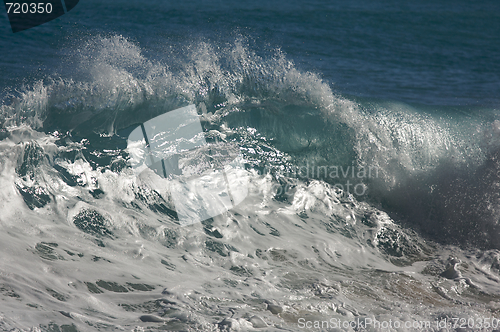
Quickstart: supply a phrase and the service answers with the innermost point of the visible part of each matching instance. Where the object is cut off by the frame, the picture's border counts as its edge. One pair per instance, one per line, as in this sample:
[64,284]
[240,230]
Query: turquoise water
[370,135]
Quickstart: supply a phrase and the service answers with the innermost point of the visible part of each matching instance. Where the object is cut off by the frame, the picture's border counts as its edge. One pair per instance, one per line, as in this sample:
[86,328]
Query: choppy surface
[395,104]
[87,244]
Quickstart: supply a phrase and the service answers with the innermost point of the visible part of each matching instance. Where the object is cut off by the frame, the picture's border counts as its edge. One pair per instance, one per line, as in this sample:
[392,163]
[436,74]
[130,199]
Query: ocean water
[370,137]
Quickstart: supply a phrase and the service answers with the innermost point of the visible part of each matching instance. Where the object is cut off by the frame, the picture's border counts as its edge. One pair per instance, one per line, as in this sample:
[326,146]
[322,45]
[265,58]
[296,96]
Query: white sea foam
[84,241]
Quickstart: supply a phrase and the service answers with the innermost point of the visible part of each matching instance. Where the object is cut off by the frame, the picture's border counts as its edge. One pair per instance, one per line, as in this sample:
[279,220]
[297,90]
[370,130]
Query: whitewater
[87,244]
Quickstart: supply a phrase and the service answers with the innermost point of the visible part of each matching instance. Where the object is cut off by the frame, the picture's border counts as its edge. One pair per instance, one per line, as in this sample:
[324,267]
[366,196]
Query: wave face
[356,208]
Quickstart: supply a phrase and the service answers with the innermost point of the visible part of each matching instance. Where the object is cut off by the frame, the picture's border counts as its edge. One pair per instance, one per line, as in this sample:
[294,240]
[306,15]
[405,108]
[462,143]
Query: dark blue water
[439,54]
